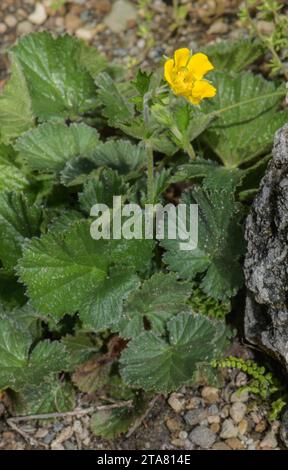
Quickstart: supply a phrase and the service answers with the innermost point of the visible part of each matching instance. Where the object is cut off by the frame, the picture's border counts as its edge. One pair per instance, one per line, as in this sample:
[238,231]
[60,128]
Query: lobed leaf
[59,85]
[244,131]
[16,115]
[159,298]
[71,272]
[51,145]
[220,240]
[19,220]
[163,365]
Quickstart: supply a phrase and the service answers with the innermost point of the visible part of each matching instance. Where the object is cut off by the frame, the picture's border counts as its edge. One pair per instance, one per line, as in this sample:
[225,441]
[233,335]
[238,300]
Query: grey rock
[284,428]
[203,437]
[194,417]
[266,273]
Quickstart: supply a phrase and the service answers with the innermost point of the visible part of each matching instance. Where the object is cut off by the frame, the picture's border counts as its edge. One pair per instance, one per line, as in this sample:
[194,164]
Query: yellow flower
[185,75]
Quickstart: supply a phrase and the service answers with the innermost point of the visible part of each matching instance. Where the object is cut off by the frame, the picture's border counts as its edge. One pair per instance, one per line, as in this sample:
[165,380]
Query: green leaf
[220,241]
[12,179]
[159,298]
[119,155]
[234,56]
[15,106]
[64,221]
[163,365]
[51,145]
[92,60]
[18,220]
[72,272]
[58,83]
[53,397]
[142,82]
[28,319]
[111,423]
[244,131]
[197,169]
[19,366]
[116,107]
[102,190]
[80,347]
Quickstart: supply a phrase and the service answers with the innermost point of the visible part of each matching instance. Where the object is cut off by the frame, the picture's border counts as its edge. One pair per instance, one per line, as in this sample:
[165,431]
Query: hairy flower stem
[150,173]
[189,149]
[149,149]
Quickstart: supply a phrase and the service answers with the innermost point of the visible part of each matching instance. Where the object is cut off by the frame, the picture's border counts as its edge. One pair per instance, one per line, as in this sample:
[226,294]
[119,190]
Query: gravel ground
[201,418]
[123,32]
[194,418]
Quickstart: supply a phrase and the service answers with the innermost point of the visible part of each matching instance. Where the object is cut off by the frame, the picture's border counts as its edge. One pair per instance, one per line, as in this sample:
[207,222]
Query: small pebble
[261,427]
[193,403]
[241,379]
[269,441]
[173,424]
[56,446]
[58,426]
[48,438]
[239,396]
[3,28]
[237,411]
[219,27]
[194,417]
[243,426]
[183,435]
[228,429]
[210,394]
[203,437]
[69,445]
[85,34]
[213,410]
[220,446]
[213,419]
[40,433]
[176,403]
[25,27]
[235,443]
[64,435]
[39,15]
[225,411]
[215,427]
[10,21]
[255,417]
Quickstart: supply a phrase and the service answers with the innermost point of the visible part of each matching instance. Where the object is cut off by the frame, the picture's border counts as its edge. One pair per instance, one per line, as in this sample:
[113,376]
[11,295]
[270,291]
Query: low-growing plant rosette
[122,318]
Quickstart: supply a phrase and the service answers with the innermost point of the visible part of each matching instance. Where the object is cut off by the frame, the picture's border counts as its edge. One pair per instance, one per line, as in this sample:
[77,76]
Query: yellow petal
[181,57]
[168,68]
[199,65]
[203,89]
